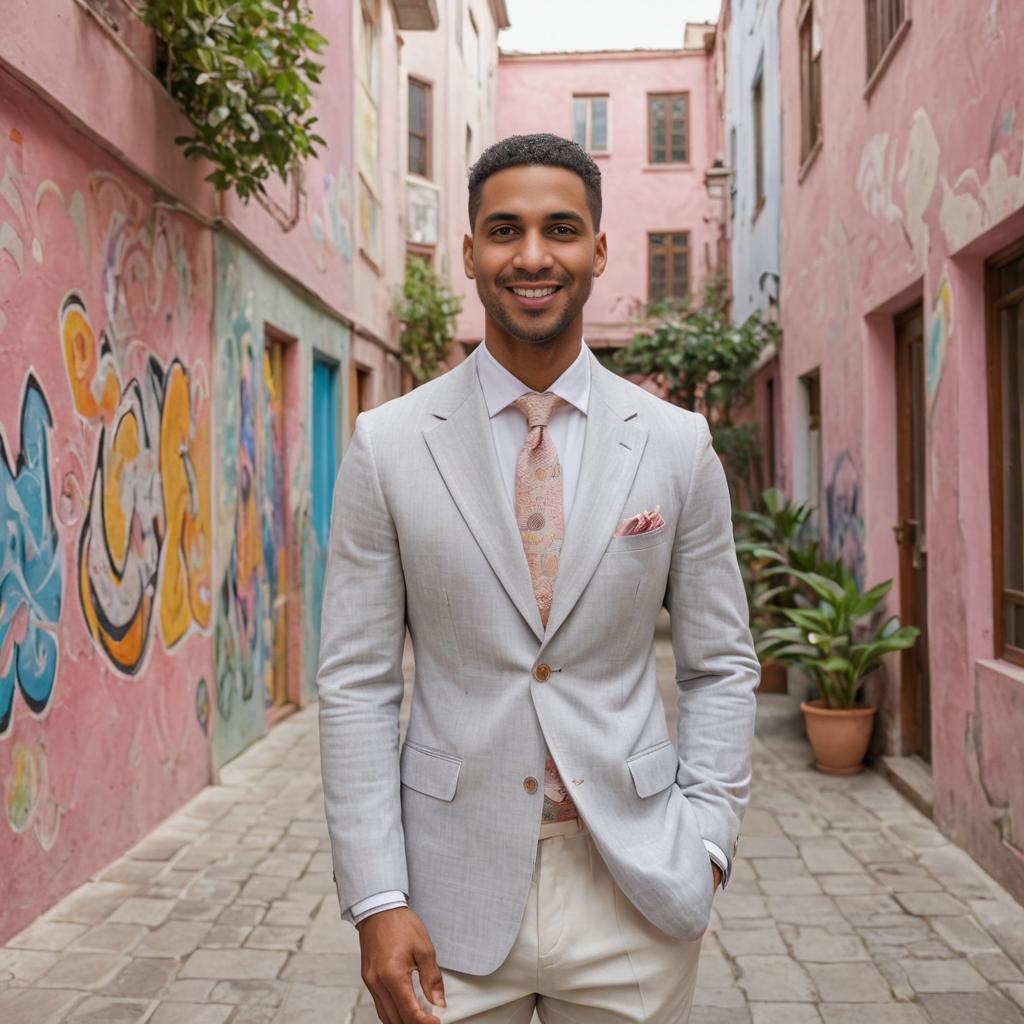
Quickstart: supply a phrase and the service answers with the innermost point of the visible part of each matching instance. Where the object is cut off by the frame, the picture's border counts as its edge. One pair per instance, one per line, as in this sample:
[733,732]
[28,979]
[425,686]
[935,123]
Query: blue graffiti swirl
[31,564]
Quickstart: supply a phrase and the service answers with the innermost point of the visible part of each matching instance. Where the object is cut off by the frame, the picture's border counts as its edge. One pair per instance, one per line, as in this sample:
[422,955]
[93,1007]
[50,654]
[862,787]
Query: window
[810,81]
[758,104]
[668,266]
[590,122]
[471,50]
[884,18]
[1006,440]
[419,128]
[667,141]
[808,463]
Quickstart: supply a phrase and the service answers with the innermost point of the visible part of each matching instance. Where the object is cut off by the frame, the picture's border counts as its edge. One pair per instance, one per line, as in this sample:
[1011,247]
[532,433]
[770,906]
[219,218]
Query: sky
[539,25]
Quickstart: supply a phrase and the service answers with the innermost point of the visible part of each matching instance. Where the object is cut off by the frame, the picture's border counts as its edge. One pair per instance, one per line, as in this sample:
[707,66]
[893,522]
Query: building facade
[181,371]
[902,307]
[647,118]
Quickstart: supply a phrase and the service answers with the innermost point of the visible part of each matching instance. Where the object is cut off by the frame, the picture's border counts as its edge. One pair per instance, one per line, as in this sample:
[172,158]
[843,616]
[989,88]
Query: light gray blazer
[423,535]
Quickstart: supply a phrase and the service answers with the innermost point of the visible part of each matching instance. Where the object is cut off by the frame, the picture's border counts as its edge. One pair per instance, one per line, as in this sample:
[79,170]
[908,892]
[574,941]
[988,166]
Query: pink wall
[105,307]
[914,187]
[535,95]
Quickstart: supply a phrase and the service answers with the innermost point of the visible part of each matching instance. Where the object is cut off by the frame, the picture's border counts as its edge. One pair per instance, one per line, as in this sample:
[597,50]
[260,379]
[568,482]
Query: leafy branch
[243,73]
[427,310]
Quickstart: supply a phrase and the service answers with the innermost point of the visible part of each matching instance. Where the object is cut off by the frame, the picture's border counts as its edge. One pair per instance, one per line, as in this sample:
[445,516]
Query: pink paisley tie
[541,526]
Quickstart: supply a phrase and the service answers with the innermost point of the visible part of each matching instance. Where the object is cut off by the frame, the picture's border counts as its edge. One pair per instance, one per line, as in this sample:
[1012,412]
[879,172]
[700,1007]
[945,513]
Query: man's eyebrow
[500,215]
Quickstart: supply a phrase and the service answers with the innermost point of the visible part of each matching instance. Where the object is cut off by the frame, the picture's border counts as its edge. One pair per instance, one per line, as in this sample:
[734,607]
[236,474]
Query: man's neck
[537,365]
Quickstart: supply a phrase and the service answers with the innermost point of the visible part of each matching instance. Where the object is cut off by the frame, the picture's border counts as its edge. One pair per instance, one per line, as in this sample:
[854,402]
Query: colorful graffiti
[844,519]
[337,216]
[145,540]
[28,801]
[938,337]
[203,706]
[31,564]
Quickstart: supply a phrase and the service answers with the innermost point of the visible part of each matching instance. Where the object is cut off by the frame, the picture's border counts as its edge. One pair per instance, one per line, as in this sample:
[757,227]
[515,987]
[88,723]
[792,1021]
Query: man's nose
[533,254]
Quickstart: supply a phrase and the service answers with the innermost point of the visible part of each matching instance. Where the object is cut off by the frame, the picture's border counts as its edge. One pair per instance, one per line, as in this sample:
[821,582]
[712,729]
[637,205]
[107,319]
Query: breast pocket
[639,541]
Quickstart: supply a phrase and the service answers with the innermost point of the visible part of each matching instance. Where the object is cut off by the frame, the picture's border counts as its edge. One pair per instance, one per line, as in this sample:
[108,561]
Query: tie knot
[538,408]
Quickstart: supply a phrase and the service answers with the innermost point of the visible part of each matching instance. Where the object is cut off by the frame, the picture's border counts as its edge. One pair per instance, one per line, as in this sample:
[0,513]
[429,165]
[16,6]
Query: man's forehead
[534,188]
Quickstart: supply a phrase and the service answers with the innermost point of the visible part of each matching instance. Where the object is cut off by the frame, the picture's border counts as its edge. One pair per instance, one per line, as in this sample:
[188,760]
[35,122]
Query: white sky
[539,25]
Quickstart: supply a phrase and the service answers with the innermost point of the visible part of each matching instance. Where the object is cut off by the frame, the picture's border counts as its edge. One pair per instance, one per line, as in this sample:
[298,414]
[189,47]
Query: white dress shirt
[567,430]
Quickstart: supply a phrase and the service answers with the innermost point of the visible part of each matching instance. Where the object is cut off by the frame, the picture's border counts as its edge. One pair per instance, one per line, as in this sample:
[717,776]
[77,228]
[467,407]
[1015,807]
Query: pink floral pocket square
[642,522]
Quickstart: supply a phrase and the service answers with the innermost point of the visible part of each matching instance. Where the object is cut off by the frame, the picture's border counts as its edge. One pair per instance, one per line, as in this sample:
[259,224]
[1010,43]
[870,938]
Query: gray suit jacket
[423,536]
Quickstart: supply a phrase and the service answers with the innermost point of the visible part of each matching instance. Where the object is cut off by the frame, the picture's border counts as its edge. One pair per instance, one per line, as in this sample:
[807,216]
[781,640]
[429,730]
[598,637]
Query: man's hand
[716,874]
[395,943]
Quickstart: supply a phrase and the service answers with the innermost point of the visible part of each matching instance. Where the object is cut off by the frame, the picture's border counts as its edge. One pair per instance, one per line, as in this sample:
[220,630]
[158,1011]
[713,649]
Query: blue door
[325,466]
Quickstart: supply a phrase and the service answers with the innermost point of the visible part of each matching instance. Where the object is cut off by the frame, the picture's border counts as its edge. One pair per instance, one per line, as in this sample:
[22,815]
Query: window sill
[599,154]
[809,160]
[661,168]
[757,210]
[371,262]
[886,59]
[1003,667]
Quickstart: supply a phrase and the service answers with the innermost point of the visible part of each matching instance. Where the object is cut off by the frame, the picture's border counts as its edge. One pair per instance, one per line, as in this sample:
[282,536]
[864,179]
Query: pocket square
[642,522]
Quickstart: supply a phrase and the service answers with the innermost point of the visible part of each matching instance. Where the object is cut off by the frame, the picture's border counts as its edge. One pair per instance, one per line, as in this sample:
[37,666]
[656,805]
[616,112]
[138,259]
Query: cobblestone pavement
[846,906]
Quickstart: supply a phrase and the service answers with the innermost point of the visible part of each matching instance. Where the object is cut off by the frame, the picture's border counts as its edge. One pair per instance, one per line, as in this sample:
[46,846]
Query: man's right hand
[395,943]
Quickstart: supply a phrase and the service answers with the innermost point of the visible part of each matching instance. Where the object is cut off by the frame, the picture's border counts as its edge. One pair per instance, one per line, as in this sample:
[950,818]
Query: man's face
[534,253]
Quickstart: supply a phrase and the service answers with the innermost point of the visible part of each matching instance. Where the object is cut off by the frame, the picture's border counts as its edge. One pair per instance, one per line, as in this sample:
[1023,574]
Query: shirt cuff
[719,859]
[380,901]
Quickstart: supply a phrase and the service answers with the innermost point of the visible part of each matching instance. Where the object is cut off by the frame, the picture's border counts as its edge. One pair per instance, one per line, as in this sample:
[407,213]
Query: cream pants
[584,954]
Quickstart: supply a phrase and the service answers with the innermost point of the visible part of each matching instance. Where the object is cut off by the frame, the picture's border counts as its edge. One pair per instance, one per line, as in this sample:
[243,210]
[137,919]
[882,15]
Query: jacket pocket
[654,769]
[429,771]
[639,541]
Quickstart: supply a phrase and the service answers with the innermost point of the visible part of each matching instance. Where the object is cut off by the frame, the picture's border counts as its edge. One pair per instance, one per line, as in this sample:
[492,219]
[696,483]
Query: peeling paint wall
[915,186]
[105,511]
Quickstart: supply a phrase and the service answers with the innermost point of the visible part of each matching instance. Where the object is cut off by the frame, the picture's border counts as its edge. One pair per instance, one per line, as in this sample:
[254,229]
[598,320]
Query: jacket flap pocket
[429,771]
[655,769]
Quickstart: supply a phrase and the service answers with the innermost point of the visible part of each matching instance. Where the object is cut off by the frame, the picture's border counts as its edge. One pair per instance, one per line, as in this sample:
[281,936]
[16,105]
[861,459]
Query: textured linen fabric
[419,540]
[583,955]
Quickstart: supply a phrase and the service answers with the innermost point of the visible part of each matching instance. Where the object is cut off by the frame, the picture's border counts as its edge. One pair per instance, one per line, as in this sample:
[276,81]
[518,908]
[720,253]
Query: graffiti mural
[145,539]
[334,225]
[31,565]
[938,337]
[844,518]
[28,800]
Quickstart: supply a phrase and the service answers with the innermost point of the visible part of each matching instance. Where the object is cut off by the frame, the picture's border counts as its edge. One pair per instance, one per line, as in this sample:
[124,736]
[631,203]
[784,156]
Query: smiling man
[538,842]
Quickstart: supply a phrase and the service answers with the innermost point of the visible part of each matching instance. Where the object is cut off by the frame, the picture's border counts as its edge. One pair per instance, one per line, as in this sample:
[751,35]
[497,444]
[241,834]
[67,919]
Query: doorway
[911,530]
[325,466]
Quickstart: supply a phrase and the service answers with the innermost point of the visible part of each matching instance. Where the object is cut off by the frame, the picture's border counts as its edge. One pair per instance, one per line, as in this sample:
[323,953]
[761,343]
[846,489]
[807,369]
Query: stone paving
[846,906]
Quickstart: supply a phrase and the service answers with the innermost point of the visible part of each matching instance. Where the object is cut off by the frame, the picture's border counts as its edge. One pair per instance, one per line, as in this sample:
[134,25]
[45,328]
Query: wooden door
[911,530]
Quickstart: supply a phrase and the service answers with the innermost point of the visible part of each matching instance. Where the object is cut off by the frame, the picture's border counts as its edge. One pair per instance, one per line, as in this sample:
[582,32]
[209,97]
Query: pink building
[179,374]
[647,118]
[903,393]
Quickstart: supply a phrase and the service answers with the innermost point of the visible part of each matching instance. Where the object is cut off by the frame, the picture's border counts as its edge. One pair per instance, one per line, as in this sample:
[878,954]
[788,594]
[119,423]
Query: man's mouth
[534,293]
[535,296]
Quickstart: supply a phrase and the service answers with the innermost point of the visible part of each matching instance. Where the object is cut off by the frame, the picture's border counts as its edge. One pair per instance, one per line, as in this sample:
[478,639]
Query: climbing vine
[427,310]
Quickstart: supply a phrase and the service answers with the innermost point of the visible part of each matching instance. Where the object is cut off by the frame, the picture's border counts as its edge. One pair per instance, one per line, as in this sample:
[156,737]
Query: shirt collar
[501,388]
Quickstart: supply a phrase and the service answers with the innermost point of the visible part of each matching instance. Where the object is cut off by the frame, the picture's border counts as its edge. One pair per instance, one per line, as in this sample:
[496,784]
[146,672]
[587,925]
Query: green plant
[839,640]
[242,72]
[427,310]
[706,364]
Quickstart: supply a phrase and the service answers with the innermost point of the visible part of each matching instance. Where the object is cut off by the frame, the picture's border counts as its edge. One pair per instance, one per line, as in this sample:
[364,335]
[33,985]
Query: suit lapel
[462,447]
[611,454]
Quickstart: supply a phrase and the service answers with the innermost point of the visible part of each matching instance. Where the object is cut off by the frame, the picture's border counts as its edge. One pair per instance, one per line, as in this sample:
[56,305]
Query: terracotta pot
[773,677]
[839,736]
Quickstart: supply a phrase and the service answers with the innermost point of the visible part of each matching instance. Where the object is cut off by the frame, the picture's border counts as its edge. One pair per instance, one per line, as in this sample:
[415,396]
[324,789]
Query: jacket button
[530,784]
[542,673]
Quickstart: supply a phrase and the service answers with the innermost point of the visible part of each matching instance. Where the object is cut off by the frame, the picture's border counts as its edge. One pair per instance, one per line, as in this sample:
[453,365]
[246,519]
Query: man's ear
[467,256]
[600,254]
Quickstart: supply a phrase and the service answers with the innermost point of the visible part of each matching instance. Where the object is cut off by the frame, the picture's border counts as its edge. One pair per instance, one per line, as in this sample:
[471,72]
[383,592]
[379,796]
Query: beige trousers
[584,954]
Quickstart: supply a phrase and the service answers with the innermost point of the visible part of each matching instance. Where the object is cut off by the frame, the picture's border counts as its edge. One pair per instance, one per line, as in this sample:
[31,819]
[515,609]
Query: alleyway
[847,906]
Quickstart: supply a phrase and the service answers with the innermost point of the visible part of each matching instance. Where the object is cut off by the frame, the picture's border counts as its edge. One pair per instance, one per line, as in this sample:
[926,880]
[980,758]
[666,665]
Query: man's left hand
[716,873]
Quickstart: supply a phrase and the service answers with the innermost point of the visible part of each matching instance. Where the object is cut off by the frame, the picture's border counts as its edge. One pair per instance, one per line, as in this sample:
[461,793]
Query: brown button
[542,673]
[530,784]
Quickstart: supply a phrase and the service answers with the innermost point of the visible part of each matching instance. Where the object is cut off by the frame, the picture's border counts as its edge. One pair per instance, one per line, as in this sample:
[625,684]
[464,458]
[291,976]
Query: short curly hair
[545,149]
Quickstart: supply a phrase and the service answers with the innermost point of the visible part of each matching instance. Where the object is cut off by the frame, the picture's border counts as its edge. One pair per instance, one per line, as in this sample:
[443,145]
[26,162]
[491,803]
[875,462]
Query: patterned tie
[541,526]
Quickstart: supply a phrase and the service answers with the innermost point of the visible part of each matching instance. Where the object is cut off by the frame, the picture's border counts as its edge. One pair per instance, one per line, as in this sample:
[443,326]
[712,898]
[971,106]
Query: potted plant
[837,642]
[768,543]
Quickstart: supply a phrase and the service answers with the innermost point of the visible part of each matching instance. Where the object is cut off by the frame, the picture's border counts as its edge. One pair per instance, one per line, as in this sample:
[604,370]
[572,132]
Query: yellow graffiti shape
[184,472]
[95,382]
[24,786]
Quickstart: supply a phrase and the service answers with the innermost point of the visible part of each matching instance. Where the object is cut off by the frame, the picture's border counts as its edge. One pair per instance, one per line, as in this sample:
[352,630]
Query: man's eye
[564,229]
[504,230]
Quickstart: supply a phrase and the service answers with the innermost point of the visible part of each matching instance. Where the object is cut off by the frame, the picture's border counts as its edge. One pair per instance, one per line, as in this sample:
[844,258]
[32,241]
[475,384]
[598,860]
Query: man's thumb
[430,979]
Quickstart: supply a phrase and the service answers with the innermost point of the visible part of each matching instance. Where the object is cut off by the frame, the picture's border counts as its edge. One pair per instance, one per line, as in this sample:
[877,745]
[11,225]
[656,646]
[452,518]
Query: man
[538,841]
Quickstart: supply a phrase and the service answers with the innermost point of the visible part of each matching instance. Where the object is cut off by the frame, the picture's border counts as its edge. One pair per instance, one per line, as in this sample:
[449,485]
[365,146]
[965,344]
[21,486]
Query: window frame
[757,104]
[668,97]
[878,49]
[811,98]
[428,149]
[589,98]
[669,252]
[994,303]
